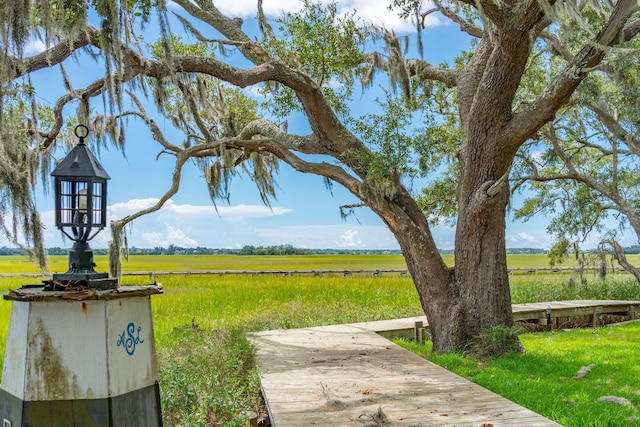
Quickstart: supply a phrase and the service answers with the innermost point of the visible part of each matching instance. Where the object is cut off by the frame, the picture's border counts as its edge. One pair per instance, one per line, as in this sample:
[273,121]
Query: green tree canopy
[583,167]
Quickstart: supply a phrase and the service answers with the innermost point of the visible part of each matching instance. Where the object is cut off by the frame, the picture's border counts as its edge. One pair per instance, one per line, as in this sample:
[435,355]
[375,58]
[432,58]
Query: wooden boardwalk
[536,312]
[349,375]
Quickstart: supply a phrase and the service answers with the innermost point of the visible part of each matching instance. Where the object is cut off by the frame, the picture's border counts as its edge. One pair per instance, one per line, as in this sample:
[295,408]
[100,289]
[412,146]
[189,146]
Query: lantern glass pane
[73,202]
[97,203]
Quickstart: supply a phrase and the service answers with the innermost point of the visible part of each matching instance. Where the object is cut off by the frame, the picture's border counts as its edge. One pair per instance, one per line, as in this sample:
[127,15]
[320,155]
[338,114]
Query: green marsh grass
[195,263]
[205,362]
[552,287]
[192,263]
[269,302]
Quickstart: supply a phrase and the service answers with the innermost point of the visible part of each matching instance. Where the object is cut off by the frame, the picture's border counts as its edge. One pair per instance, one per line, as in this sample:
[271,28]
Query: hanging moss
[29,130]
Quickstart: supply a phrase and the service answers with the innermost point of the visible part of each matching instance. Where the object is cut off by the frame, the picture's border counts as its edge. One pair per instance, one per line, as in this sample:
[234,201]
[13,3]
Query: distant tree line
[511,251]
[200,250]
[266,250]
[526,251]
[274,250]
[635,249]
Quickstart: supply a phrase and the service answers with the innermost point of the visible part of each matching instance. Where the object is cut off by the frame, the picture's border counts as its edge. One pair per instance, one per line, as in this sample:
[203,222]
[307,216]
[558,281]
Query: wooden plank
[343,375]
[537,311]
[37,293]
[521,312]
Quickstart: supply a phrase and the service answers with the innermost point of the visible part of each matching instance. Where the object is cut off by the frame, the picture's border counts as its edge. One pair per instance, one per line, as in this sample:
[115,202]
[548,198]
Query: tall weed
[208,378]
[560,288]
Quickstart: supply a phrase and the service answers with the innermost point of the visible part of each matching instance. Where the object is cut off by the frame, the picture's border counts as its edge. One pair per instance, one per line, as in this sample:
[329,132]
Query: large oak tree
[313,68]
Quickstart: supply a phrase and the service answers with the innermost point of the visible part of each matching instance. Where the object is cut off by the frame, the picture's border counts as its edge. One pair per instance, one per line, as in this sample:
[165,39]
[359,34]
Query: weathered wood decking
[348,375]
[536,312]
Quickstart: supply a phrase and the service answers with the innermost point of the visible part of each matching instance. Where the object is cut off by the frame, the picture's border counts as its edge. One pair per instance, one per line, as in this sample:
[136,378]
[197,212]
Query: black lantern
[81,207]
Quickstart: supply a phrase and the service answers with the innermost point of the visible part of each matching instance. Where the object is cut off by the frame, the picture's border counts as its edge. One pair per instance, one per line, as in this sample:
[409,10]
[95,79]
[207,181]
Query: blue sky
[305,214]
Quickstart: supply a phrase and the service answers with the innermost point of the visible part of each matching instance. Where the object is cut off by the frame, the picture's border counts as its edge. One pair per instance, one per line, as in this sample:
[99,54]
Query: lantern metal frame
[80,207]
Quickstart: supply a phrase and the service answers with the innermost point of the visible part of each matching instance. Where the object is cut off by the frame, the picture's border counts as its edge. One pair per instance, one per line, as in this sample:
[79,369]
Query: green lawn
[542,378]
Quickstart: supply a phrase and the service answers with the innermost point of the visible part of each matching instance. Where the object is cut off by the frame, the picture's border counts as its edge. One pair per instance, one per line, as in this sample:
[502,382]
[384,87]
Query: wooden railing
[321,272]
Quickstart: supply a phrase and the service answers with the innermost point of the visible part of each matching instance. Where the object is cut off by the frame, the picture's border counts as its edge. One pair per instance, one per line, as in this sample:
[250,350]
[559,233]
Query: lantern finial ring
[81,132]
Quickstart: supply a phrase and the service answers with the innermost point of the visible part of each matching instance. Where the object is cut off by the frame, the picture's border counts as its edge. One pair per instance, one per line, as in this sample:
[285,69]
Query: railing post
[418,332]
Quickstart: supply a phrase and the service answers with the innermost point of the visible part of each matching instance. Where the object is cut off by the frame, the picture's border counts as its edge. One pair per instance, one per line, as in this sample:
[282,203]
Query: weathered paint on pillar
[88,361]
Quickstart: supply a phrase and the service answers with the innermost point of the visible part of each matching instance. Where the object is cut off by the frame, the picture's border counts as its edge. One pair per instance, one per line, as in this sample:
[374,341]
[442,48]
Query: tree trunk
[434,281]
[460,302]
[481,266]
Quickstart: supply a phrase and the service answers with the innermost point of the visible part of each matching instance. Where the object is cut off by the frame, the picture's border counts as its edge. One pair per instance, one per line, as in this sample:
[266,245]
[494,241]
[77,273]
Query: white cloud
[190,225]
[342,235]
[34,47]
[170,236]
[227,212]
[375,11]
[523,239]
[536,156]
[256,92]
[378,13]
[526,237]
[120,210]
[350,239]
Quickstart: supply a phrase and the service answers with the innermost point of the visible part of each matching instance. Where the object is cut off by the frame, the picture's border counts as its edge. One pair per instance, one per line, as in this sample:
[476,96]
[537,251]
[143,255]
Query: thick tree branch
[470,77]
[309,93]
[557,45]
[52,56]
[532,118]
[616,129]
[331,133]
[230,28]
[631,30]
[264,128]
[425,71]
[327,170]
[467,27]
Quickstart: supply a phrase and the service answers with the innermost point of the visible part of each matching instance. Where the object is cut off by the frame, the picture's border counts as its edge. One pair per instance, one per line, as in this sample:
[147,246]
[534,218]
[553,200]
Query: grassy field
[194,263]
[205,363]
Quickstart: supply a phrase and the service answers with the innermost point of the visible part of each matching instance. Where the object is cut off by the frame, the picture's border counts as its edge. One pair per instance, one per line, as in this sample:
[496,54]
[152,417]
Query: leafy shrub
[496,341]
[208,378]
